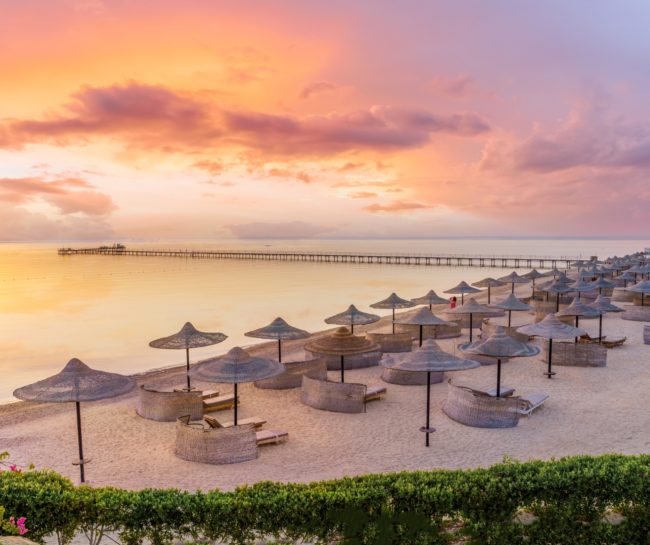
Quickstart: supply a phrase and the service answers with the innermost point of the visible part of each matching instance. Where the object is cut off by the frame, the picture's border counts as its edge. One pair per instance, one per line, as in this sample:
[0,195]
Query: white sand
[590,411]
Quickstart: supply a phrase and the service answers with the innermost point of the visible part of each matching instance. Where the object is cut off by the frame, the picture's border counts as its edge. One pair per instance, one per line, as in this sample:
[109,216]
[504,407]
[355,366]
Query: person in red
[452,302]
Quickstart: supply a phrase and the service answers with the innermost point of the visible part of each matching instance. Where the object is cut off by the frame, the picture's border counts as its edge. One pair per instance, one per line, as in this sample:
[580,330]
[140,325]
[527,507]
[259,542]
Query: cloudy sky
[209,119]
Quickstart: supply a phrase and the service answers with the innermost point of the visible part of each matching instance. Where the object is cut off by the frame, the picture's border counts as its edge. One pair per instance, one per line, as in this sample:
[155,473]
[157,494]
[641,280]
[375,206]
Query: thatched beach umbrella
[236,367]
[471,308]
[461,289]
[188,337]
[76,383]
[551,328]
[342,343]
[601,284]
[512,279]
[511,303]
[429,358]
[431,298]
[580,286]
[488,283]
[422,317]
[557,287]
[626,277]
[499,345]
[533,275]
[280,330]
[393,301]
[351,317]
[577,308]
[643,288]
[604,305]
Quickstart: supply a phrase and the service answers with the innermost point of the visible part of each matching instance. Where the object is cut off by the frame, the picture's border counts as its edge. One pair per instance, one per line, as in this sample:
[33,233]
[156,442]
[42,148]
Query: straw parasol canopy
[551,328]
[342,343]
[471,308]
[581,286]
[557,287]
[512,279]
[577,308]
[462,288]
[188,337]
[533,275]
[351,317]
[431,298]
[74,384]
[604,305]
[626,277]
[235,367]
[643,288]
[429,358]
[601,283]
[421,318]
[488,283]
[393,301]
[499,345]
[511,304]
[280,330]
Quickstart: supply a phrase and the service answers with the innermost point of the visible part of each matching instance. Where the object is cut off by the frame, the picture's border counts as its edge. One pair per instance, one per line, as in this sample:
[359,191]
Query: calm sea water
[104,310]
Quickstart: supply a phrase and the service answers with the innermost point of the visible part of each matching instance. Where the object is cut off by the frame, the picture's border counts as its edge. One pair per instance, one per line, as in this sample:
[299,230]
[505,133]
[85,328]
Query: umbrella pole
[342,368]
[430,306]
[488,294]
[471,326]
[532,295]
[498,377]
[236,400]
[550,373]
[80,441]
[393,321]
[351,327]
[427,429]
[462,298]
[575,341]
[600,329]
[187,364]
[557,302]
[509,318]
[280,350]
[512,290]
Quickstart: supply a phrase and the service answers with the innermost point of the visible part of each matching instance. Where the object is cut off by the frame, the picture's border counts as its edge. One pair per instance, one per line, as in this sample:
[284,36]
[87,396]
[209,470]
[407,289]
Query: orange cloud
[396,207]
[362,195]
[317,87]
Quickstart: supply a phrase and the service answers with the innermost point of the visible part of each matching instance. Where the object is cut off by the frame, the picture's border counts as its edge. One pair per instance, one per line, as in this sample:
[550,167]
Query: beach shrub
[577,500]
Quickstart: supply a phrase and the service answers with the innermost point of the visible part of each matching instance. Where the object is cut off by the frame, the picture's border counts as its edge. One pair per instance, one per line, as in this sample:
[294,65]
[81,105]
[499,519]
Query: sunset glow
[210,119]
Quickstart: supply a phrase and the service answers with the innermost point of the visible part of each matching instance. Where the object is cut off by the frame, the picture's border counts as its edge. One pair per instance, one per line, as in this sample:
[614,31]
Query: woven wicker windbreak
[351,317]
[511,303]
[423,317]
[235,367]
[551,328]
[500,345]
[280,330]
[188,337]
[488,283]
[462,288]
[431,298]
[393,301]
[76,382]
[604,304]
[428,358]
[578,308]
[341,343]
[514,278]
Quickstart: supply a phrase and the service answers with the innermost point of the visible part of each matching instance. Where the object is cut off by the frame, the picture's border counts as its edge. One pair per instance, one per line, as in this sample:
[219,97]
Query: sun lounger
[214,423]
[533,402]
[505,391]
[613,342]
[207,394]
[268,437]
[374,393]
[219,403]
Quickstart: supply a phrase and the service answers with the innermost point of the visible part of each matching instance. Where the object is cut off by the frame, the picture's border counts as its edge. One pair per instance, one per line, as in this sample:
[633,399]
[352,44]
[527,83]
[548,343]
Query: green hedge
[579,500]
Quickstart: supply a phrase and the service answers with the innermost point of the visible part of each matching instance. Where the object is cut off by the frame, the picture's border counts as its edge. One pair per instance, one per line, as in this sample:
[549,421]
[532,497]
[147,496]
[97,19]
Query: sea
[104,310]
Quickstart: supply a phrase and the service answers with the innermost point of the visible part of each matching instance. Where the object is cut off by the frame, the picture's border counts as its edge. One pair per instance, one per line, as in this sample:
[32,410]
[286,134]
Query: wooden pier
[516,262]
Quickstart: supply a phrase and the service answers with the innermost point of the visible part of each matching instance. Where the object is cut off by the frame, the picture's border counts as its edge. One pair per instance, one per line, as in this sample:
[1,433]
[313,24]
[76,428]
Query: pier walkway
[336,257]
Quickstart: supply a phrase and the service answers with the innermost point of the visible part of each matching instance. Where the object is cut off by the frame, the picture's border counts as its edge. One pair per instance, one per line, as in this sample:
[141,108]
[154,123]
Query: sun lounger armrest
[532,402]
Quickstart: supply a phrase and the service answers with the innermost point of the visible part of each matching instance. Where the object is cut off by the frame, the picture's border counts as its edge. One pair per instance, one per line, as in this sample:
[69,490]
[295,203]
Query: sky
[210,119]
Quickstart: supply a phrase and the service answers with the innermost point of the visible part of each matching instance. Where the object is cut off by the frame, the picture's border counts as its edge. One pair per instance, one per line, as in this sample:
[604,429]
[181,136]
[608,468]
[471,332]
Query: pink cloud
[316,88]
[212,167]
[396,207]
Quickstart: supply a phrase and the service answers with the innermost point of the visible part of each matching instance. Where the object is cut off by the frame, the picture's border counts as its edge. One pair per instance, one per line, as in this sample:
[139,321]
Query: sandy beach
[589,411]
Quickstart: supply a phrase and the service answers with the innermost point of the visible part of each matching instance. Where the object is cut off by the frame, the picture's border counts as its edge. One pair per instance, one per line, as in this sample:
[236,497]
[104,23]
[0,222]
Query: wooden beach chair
[613,342]
[374,393]
[219,403]
[214,423]
[271,437]
[588,339]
